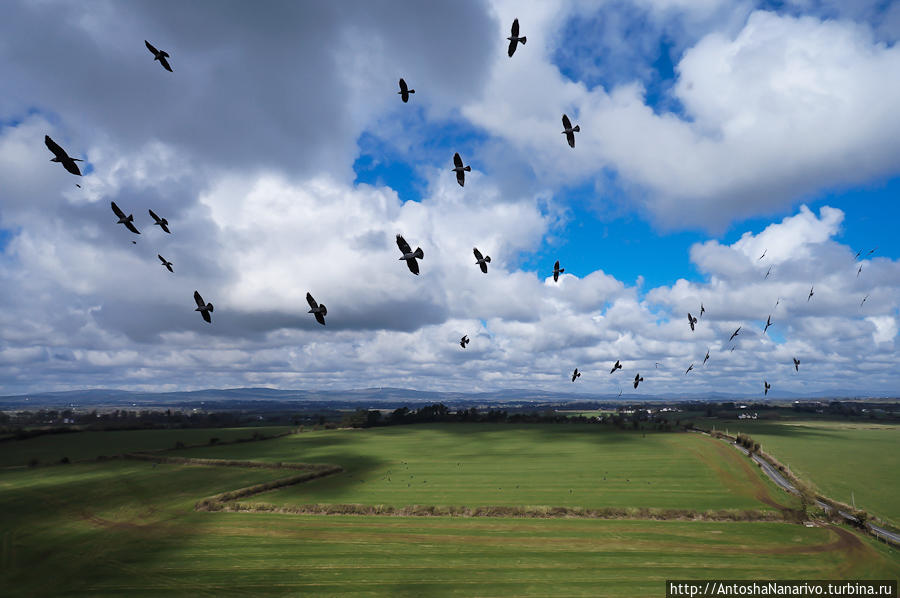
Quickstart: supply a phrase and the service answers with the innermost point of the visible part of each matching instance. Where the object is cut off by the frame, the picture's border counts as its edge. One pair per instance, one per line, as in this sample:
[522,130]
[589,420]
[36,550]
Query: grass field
[529,464]
[837,457]
[77,446]
[128,528]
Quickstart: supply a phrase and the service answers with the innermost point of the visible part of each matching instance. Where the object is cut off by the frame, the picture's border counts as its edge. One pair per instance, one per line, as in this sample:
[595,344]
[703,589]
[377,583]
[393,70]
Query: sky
[720,141]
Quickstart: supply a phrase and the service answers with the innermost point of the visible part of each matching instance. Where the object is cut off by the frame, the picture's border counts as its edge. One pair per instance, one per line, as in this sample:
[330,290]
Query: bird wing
[556,265]
[512,48]
[457,161]
[151,48]
[199,299]
[515,28]
[162,259]
[477,253]
[70,165]
[570,137]
[413,266]
[206,317]
[311,301]
[163,226]
[155,217]
[461,178]
[567,124]
[403,245]
[403,87]
[483,267]
[130,226]
[54,147]
[165,63]
[116,210]
[320,318]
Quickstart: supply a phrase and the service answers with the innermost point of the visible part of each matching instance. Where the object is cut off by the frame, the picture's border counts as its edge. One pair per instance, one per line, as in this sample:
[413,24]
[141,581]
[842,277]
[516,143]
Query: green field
[837,457]
[120,528]
[78,446]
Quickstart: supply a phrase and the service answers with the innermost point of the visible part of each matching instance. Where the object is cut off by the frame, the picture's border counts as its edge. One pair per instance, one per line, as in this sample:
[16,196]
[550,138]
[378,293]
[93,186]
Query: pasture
[129,528]
[524,464]
[838,457]
[78,446]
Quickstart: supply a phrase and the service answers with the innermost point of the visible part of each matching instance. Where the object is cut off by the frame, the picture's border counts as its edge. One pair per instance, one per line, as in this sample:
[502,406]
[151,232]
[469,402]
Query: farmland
[129,527]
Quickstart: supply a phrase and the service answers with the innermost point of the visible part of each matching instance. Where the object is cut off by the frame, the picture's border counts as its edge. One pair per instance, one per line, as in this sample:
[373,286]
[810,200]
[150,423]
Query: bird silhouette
[763,254]
[204,308]
[464,341]
[858,271]
[871,251]
[60,155]
[128,221]
[637,380]
[616,366]
[460,170]
[769,271]
[863,301]
[767,387]
[569,131]
[514,38]
[557,271]
[735,333]
[409,255]
[318,310]
[691,320]
[702,309]
[165,263]
[576,374]
[810,293]
[160,222]
[481,261]
[405,91]
[857,253]
[689,368]
[705,359]
[796,364]
[768,323]
[159,55]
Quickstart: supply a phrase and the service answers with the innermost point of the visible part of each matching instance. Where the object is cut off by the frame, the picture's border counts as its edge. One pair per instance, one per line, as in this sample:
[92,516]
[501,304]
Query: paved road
[783,483]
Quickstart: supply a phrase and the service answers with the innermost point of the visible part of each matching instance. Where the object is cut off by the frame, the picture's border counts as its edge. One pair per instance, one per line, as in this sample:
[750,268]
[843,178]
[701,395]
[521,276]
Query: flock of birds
[411,257]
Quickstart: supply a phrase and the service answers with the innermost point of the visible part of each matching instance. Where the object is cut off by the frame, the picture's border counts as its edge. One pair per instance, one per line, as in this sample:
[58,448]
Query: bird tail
[577,128]
[324,309]
[487,258]
[412,91]
[561,270]
[468,169]
[210,306]
[523,40]
[419,253]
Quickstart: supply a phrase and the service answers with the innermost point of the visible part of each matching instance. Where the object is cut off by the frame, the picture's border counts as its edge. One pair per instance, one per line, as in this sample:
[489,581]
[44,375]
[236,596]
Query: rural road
[787,486]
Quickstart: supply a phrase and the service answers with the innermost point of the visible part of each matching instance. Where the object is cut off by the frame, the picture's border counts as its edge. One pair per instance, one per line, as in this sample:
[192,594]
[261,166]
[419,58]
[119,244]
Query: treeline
[440,413]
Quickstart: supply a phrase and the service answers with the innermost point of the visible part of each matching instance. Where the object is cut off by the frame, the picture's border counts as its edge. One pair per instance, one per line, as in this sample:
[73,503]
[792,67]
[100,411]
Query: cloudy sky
[712,132]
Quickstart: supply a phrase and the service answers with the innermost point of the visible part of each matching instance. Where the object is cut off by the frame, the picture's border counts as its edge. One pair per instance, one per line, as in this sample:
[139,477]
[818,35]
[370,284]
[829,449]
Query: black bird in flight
[60,155]
[871,251]
[159,55]
[702,309]
[857,253]
[769,271]
[657,365]
[460,170]
[810,293]
[482,261]
[858,271]
[204,308]
[409,255]
[320,311]
[637,380]
[405,91]
[616,366]
[796,364]
[165,263]
[128,221]
[768,323]
[77,185]
[569,131]
[691,320]
[864,300]
[160,222]
[705,359]
[689,369]
[735,333]
[464,341]
[576,374]
[767,387]
[763,255]
[557,271]
[514,38]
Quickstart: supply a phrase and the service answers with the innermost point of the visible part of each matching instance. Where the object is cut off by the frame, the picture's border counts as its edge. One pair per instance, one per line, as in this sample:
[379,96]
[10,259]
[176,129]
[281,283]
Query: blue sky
[709,132]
